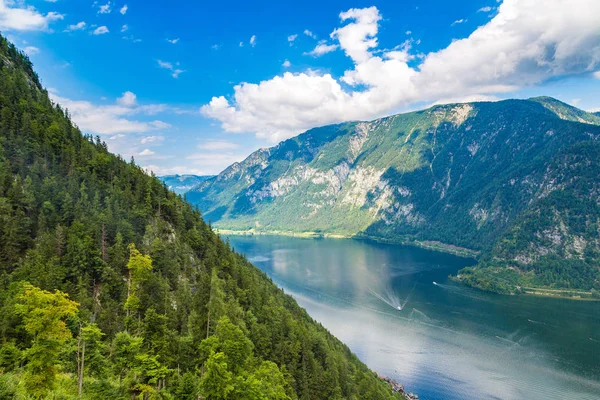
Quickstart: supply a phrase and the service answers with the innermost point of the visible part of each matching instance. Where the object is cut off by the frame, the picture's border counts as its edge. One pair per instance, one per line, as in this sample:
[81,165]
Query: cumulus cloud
[15,16]
[112,119]
[458,21]
[31,50]
[128,99]
[104,9]
[359,36]
[322,48]
[173,41]
[291,39]
[123,9]
[151,139]
[485,9]
[76,27]
[525,43]
[145,152]
[286,64]
[253,41]
[175,71]
[309,34]
[101,30]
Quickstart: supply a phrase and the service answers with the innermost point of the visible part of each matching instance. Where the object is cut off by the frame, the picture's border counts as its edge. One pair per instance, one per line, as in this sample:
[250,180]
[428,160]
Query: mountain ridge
[459,174]
[181,184]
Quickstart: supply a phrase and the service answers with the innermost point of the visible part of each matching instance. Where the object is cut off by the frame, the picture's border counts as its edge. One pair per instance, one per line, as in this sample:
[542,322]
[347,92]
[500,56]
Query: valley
[512,182]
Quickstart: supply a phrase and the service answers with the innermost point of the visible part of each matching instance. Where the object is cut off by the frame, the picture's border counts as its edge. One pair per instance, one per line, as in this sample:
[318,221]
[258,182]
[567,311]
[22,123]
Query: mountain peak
[566,111]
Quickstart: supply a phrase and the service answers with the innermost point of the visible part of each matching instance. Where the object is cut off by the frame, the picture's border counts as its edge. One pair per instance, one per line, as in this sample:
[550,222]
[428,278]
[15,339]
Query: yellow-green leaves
[44,315]
[139,267]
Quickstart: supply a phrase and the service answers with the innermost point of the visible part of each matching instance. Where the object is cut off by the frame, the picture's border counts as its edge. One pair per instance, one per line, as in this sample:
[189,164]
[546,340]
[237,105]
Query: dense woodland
[111,286]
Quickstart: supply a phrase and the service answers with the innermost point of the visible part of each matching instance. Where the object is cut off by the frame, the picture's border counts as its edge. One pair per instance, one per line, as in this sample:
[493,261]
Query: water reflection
[448,341]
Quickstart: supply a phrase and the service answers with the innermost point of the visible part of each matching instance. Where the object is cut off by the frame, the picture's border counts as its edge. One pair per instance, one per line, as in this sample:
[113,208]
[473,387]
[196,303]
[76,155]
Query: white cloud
[485,9]
[217,145]
[177,170]
[173,41]
[146,152]
[151,139]
[101,30]
[111,119]
[241,44]
[359,36]
[175,71]
[76,27]
[253,41]
[212,158]
[124,28]
[286,64]
[525,43]
[128,99]
[104,9]
[212,162]
[15,16]
[309,34]
[165,64]
[132,38]
[31,50]
[123,9]
[596,74]
[408,33]
[458,21]
[291,39]
[322,48]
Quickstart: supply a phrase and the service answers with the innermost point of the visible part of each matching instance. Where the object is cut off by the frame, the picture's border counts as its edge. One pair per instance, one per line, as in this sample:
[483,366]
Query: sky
[189,87]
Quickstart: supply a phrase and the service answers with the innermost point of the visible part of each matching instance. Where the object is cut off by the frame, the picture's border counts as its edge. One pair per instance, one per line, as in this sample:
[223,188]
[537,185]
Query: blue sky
[190,87]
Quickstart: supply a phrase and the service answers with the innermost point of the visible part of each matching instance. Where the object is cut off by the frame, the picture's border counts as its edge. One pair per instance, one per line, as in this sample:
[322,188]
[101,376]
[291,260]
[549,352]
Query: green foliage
[160,319]
[44,316]
[217,381]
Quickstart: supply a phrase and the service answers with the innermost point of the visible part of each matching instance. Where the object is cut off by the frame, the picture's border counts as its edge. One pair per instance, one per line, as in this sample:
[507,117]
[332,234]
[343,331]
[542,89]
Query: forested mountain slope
[474,175]
[113,286]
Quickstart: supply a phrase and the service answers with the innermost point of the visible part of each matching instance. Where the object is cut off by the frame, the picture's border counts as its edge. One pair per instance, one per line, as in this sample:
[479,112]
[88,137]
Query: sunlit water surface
[447,341]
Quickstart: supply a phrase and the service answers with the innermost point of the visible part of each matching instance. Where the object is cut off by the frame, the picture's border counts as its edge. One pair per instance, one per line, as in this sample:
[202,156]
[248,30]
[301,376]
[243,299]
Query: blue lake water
[448,341]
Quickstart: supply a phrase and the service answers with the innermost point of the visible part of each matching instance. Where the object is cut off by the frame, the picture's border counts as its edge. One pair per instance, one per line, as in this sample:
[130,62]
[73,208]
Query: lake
[447,341]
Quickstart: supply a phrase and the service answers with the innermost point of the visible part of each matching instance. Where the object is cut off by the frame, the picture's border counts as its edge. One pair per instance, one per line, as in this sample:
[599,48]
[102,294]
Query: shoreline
[576,295]
[425,244]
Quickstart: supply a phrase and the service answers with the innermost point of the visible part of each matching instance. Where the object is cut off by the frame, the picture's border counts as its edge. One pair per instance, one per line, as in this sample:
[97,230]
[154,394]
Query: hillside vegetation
[514,181]
[113,287]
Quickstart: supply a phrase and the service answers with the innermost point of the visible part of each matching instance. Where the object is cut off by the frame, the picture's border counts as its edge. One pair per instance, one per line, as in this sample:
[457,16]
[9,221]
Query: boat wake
[390,298]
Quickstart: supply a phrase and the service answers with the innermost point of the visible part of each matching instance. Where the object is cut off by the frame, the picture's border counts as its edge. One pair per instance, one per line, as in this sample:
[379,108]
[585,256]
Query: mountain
[180,184]
[113,287]
[513,181]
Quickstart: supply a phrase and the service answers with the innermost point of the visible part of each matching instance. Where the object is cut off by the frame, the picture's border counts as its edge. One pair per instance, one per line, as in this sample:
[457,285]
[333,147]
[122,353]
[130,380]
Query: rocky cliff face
[468,175]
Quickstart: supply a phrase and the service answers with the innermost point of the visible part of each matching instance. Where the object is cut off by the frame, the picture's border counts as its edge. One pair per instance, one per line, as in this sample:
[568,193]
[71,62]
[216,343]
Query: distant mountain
[180,184]
[515,180]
